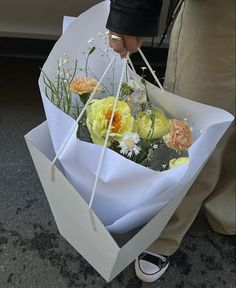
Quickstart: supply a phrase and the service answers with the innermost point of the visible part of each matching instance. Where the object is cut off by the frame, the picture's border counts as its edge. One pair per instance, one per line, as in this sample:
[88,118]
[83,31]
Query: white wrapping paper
[127,194]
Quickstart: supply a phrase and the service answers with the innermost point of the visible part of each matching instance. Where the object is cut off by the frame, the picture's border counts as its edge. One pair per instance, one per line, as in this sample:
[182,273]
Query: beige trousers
[201,67]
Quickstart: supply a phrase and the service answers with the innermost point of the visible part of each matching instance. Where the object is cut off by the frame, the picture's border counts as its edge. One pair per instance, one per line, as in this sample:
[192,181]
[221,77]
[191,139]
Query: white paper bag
[101,249]
[127,194]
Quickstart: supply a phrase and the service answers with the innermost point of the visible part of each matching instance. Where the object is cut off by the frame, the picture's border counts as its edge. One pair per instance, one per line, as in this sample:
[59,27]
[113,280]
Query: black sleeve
[134,17]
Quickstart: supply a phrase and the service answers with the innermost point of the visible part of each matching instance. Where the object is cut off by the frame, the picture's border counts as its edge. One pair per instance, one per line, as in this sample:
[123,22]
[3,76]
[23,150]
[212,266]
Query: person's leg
[222,220]
[201,67]
[220,206]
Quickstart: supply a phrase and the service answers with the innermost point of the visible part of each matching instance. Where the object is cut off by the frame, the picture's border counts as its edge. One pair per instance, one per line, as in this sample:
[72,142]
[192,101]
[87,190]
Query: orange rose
[179,137]
[83,85]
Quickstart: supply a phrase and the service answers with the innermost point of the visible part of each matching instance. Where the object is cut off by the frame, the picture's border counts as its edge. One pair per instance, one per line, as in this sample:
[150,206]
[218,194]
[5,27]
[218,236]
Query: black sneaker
[149,267]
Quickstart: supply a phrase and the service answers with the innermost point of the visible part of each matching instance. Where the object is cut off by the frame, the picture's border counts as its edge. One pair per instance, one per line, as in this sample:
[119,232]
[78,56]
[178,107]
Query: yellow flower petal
[178,161]
[99,115]
[155,128]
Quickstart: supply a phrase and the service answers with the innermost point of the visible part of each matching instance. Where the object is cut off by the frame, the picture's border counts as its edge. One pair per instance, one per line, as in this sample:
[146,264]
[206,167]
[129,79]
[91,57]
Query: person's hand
[123,44]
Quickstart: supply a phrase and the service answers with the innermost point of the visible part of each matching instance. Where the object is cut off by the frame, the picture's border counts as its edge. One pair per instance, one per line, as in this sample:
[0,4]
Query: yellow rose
[99,114]
[152,124]
[178,161]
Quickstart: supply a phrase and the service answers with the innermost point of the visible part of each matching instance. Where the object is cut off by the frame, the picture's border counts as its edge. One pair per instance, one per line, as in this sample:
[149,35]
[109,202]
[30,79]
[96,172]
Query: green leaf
[74,71]
[84,97]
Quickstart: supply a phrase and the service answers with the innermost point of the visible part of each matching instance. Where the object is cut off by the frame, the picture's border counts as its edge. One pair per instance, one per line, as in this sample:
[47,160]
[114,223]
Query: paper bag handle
[148,66]
[110,125]
[105,145]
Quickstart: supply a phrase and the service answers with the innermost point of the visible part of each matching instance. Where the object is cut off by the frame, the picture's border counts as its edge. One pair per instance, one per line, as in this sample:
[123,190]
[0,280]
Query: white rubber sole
[149,278]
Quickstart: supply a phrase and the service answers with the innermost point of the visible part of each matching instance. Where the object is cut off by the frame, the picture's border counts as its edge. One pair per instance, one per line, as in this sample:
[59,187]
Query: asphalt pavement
[32,252]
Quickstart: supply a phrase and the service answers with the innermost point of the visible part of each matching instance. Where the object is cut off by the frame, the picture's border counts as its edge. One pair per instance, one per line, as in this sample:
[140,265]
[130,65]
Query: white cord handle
[104,146]
[150,68]
[108,133]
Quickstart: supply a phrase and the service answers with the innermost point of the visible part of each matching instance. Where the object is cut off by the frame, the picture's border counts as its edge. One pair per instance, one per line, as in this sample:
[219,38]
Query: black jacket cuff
[131,22]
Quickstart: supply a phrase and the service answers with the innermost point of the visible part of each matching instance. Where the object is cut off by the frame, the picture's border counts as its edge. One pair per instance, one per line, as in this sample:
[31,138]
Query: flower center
[117,120]
[129,143]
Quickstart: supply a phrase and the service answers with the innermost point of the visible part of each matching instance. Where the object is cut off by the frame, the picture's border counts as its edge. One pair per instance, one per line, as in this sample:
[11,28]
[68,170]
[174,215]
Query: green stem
[74,72]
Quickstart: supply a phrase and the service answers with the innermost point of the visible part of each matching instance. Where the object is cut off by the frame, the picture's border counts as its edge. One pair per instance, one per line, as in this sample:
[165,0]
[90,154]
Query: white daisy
[128,144]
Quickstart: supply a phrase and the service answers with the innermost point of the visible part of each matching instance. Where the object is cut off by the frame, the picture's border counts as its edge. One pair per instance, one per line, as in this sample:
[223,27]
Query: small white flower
[128,144]
[90,41]
[107,32]
[65,60]
[143,68]
[155,146]
[60,62]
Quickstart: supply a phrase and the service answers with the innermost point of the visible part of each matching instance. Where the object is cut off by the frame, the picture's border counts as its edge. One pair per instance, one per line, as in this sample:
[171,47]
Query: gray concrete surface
[32,252]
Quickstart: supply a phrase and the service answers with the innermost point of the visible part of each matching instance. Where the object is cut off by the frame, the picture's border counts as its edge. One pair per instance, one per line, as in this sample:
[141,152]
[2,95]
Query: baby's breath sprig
[58,91]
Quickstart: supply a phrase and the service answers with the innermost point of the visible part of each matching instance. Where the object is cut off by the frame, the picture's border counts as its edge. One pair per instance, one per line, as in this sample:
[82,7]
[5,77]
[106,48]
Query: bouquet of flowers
[114,133]
[139,131]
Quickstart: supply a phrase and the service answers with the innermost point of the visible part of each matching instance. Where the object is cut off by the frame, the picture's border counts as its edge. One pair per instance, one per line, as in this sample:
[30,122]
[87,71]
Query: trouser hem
[162,250]
[222,231]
